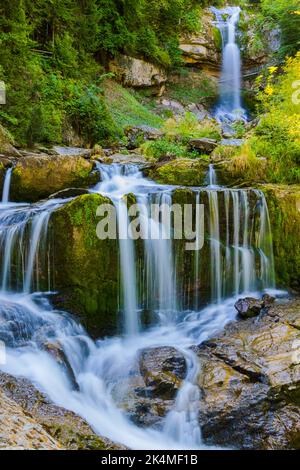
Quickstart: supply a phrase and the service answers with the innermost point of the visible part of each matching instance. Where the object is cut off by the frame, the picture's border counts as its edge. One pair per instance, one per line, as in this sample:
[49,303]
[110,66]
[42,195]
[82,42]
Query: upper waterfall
[229,107]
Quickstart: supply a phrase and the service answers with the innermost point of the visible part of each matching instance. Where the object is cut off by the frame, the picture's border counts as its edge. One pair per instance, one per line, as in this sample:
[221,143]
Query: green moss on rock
[86,268]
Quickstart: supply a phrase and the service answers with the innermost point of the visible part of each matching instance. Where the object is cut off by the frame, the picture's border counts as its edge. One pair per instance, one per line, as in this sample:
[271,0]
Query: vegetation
[277,137]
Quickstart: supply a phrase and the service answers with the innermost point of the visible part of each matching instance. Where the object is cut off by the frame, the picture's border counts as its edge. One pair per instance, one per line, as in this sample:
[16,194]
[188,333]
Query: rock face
[18,431]
[85,268]
[284,208]
[203,49]
[250,378]
[29,420]
[37,177]
[137,73]
[138,134]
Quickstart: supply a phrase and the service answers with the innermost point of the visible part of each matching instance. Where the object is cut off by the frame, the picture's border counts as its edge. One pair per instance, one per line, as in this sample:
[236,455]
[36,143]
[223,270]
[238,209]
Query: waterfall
[229,107]
[190,297]
[6,186]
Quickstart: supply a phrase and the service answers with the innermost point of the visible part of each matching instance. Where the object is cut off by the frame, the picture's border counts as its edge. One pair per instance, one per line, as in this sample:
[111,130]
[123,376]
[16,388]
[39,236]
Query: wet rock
[138,73]
[19,431]
[65,427]
[204,145]
[136,135]
[6,144]
[248,307]
[250,376]
[70,192]
[37,177]
[72,151]
[163,370]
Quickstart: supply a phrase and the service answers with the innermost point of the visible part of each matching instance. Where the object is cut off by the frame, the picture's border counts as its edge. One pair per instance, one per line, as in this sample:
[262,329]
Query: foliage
[277,137]
[158,149]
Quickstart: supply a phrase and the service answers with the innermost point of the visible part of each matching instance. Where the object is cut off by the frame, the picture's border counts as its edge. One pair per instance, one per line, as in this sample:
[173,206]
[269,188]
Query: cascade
[229,107]
[237,258]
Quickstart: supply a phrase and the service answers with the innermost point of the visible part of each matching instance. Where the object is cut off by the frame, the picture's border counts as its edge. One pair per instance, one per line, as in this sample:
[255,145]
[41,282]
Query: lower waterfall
[162,278]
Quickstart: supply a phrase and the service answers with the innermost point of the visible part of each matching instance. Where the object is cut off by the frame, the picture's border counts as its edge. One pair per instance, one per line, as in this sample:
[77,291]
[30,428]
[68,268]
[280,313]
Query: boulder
[203,145]
[68,193]
[182,171]
[72,151]
[132,158]
[248,307]
[137,73]
[163,370]
[37,177]
[64,428]
[203,49]
[6,144]
[250,376]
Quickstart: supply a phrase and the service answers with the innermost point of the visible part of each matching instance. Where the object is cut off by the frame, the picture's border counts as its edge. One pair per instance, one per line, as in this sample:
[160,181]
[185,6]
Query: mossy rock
[184,171]
[37,177]
[85,267]
[284,209]
[6,143]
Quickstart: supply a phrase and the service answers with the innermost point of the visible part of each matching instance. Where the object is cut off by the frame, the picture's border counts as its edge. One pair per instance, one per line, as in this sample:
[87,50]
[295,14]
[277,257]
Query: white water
[104,369]
[229,107]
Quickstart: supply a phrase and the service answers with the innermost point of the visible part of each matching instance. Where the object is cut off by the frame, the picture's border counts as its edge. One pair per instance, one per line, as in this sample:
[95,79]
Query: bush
[163,148]
[188,127]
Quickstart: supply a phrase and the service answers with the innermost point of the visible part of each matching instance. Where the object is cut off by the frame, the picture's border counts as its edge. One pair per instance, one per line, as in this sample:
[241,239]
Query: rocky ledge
[249,382]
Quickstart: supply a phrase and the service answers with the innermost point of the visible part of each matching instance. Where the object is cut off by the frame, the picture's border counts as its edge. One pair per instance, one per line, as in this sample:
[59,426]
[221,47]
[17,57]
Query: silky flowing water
[229,107]
[238,260]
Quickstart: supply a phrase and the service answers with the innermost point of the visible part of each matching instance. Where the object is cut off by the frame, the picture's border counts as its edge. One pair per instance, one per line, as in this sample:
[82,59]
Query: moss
[284,208]
[217,38]
[180,172]
[86,268]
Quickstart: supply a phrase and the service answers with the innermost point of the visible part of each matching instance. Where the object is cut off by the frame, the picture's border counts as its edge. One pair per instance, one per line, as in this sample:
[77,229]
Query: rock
[181,171]
[68,193]
[72,151]
[85,267]
[250,376]
[68,430]
[37,177]
[284,210]
[150,392]
[56,351]
[19,431]
[203,145]
[137,73]
[267,300]
[163,370]
[248,307]
[203,49]
[133,158]
[136,135]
